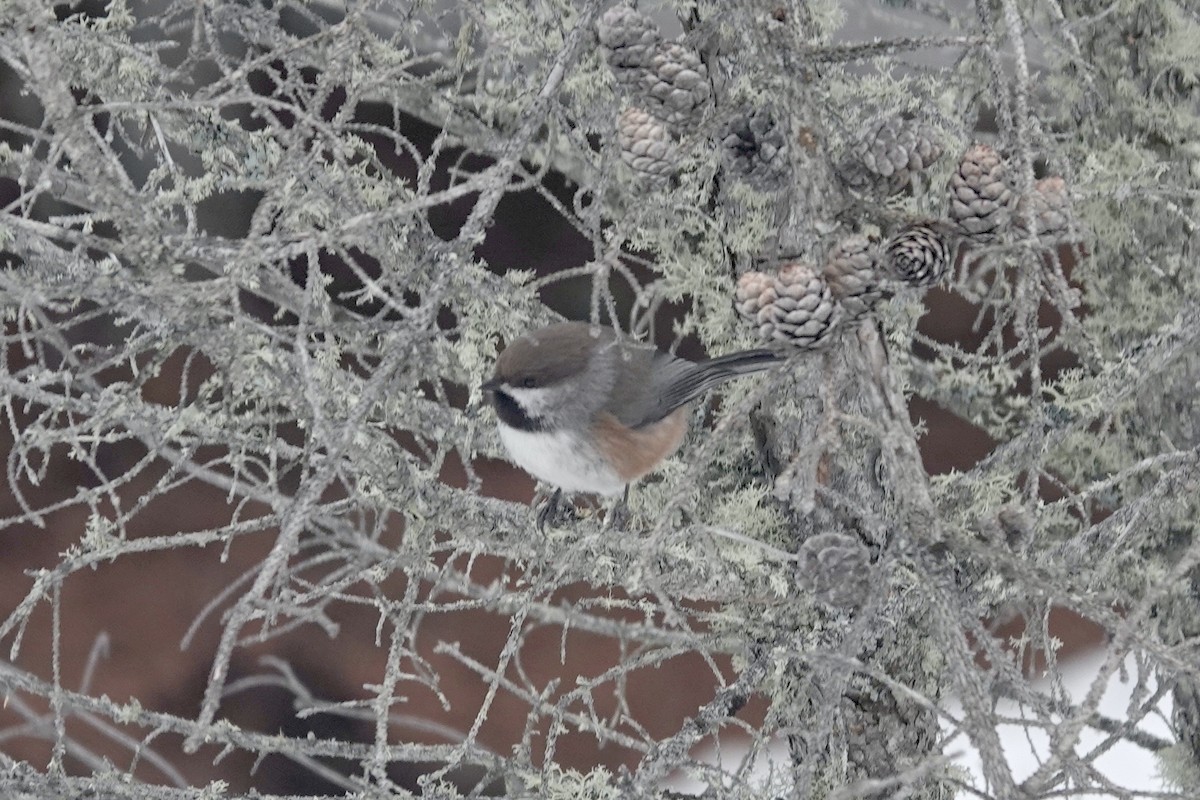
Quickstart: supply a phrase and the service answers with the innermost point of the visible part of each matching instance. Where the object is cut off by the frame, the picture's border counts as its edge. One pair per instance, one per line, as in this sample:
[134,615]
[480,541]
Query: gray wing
[657,383]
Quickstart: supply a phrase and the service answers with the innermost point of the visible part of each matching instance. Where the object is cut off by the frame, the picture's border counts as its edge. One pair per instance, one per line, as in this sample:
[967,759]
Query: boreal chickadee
[586,411]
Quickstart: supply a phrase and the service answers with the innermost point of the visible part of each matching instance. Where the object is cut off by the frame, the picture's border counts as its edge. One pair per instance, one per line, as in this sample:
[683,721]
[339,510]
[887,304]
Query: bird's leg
[618,516]
[549,511]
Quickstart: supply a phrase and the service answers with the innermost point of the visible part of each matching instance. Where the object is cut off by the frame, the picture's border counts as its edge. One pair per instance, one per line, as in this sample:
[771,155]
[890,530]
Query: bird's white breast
[562,459]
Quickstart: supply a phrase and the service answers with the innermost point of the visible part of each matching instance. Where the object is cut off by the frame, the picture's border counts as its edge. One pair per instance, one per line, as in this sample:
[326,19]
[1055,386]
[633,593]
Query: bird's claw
[554,513]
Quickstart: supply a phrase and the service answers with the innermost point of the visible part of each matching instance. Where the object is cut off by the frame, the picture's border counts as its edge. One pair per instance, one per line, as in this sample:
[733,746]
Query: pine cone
[755,148]
[676,84]
[853,275]
[646,144]
[804,311]
[836,569]
[755,291]
[922,253]
[889,154]
[1049,205]
[980,197]
[631,39]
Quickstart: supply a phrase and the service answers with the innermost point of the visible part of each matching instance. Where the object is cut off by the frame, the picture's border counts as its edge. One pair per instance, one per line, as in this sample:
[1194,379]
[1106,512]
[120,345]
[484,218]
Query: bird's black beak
[491,385]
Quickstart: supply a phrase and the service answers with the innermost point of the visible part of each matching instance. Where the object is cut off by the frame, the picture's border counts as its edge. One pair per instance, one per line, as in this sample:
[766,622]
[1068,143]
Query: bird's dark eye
[529,382]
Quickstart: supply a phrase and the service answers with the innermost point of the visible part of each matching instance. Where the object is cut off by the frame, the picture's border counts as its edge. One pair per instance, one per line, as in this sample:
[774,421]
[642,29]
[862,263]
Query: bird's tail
[712,372]
[742,363]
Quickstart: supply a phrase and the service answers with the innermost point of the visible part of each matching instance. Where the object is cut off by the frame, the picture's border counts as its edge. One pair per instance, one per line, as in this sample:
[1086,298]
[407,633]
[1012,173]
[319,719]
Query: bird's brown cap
[549,356]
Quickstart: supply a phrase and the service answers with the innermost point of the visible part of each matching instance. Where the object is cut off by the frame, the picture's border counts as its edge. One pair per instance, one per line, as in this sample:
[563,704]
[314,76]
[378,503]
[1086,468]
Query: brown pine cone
[676,84]
[889,154]
[755,147]
[630,39]
[804,312]
[980,196]
[922,254]
[852,273]
[755,291]
[1050,207]
[646,145]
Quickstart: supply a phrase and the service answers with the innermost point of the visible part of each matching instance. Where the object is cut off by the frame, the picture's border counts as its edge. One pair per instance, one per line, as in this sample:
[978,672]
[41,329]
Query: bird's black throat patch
[511,414]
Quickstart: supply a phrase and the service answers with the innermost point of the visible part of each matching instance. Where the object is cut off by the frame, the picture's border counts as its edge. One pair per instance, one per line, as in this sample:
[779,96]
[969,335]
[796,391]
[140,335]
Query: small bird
[586,411]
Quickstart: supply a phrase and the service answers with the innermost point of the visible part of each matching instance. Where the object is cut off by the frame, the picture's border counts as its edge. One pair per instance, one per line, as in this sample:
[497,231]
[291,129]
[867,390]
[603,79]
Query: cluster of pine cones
[667,85]
[801,306]
[983,204]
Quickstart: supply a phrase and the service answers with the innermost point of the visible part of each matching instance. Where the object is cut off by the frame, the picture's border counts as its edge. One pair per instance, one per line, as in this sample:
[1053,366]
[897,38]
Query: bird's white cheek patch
[561,459]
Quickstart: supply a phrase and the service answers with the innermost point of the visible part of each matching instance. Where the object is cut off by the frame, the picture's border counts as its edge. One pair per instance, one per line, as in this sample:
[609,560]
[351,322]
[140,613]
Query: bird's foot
[618,516]
[555,513]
